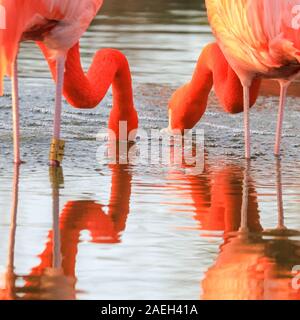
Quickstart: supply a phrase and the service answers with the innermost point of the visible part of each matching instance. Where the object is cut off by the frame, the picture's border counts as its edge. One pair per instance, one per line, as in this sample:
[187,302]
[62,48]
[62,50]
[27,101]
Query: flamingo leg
[10,276]
[283,94]
[16,114]
[57,259]
[57,145]
[280,225]
[245,201]
[14,210]
[246,90]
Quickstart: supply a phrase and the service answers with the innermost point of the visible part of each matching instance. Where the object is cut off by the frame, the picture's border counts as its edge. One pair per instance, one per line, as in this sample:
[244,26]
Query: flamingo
[249,264]
[255,39]
[56,26]
[54,277]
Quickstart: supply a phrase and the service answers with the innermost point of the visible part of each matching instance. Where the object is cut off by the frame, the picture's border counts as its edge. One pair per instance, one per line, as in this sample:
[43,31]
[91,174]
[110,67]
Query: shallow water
[97,231]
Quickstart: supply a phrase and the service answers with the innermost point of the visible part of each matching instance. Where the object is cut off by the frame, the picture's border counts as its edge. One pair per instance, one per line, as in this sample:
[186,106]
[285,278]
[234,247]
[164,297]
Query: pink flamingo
[256,38]
[56,26]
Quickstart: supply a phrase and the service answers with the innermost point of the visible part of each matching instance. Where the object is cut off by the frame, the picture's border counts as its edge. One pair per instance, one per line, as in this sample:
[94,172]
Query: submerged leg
[56,175]
[245,200]
[280,225]
[283,93]
[57,145]
[16,115]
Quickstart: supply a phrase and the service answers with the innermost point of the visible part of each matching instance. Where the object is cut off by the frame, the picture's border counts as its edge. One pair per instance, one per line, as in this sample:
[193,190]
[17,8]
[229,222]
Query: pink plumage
[59,24]
[259,38]
[256,35]
[62,21]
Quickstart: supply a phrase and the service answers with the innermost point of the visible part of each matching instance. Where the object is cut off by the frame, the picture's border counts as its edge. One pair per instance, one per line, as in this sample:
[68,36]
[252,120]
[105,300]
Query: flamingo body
[255,39]
[56,26]
[58,23]
[257,36]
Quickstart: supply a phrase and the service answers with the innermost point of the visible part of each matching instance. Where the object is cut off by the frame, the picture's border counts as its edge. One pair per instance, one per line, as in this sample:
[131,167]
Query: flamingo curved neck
[86,90]
[189,102]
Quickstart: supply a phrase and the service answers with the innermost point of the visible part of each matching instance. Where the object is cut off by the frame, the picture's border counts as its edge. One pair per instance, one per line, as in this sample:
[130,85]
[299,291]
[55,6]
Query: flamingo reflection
[250,265]
[229,195]
[8,281]
[54,277]
[253,263]
[219,195]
